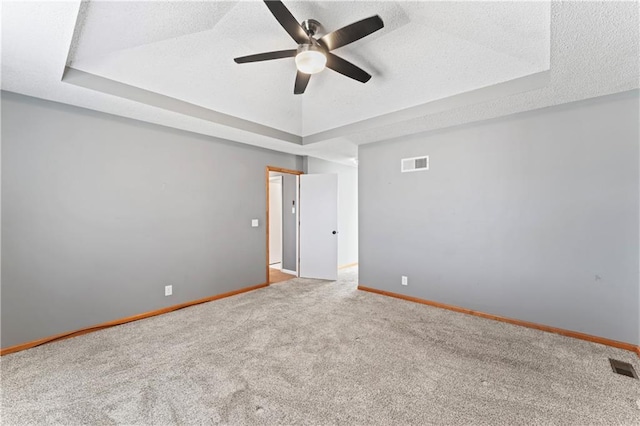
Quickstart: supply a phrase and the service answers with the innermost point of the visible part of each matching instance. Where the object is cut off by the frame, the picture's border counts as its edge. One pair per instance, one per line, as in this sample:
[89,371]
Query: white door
[275,220]
[319,226]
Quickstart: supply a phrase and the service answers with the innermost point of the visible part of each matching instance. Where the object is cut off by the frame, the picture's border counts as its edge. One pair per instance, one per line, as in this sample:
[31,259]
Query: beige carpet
[316,352]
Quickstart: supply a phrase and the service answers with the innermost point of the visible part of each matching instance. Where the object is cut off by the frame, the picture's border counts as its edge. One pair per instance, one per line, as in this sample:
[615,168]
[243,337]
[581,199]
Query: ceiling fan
[313,55]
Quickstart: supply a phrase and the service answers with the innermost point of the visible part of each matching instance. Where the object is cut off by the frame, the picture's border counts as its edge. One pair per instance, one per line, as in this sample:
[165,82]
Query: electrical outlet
[405,280]
[168,290]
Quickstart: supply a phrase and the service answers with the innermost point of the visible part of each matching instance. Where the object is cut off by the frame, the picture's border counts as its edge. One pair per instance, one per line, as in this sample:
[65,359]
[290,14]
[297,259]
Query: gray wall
[99,213]
[533,216]
[347,206]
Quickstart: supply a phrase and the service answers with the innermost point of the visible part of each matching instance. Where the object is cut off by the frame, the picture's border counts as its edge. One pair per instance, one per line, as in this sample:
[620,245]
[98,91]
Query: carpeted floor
[317,352]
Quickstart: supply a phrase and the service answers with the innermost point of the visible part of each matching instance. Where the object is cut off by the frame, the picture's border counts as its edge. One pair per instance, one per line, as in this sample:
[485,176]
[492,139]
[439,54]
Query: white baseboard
[286,271]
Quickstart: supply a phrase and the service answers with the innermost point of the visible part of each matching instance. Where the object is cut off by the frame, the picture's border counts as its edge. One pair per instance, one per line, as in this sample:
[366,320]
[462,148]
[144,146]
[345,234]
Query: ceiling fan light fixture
[310,59]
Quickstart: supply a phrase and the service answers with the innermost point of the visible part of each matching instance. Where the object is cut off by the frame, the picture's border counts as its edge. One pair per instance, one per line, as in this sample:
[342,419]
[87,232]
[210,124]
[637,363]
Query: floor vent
[623,368]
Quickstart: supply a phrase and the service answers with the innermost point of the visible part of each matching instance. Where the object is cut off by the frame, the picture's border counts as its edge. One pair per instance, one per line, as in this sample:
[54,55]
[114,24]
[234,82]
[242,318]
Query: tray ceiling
[426,51]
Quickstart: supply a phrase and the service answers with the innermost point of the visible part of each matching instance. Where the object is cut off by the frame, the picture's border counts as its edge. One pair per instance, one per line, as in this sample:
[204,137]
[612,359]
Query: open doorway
[282,224]
[275,221]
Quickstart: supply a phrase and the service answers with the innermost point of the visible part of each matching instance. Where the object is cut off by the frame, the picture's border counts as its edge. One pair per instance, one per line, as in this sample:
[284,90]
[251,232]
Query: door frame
[291,172]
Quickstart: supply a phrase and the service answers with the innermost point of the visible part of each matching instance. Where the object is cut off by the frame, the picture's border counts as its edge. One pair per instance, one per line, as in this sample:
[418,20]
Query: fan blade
[302,80]
[338,64]
[288,22]
[267,56]
[351,33]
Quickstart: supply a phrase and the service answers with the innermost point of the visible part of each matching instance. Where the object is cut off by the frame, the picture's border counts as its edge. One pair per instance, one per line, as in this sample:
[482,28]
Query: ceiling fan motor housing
[311,26]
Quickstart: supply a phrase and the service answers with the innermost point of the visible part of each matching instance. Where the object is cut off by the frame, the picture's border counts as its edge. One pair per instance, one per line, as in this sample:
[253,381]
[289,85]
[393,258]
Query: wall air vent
[415,164]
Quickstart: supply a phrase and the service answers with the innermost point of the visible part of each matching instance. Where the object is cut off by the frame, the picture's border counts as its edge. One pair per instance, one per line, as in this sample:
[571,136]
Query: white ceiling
[434,65]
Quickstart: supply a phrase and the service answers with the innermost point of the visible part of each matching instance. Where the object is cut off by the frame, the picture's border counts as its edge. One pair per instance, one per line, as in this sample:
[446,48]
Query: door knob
[334,232]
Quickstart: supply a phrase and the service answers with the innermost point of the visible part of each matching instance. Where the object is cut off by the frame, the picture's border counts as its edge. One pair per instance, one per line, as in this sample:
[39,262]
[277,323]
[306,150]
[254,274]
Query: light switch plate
[254,223]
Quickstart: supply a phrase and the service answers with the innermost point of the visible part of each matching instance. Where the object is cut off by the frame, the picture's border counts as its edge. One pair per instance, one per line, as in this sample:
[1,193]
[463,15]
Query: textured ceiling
[417,58]
[434,65]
